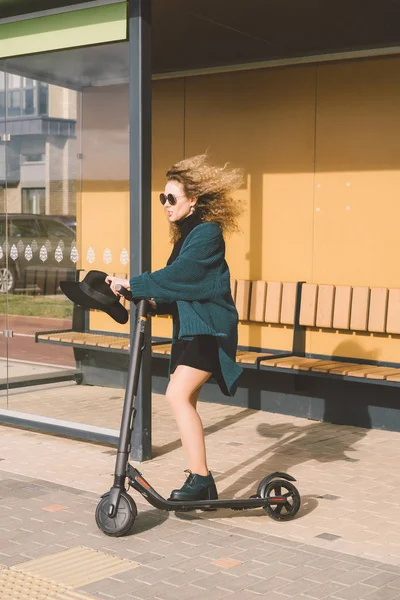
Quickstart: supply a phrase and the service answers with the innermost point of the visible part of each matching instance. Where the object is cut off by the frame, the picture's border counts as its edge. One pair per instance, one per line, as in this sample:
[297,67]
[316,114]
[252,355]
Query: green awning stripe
[66,30]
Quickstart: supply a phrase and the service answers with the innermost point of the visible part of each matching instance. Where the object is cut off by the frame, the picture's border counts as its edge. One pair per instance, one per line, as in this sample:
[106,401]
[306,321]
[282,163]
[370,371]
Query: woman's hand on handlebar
[114,281]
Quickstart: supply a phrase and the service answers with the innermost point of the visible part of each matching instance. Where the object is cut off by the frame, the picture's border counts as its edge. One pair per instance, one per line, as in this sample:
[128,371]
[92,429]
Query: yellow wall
[357,173]
[357,183]
[319,146]
[168,124]
[103,210]
[262,121]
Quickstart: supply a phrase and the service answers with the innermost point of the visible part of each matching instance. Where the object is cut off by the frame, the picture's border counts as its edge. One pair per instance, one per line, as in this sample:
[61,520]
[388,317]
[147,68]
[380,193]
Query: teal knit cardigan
[199,282]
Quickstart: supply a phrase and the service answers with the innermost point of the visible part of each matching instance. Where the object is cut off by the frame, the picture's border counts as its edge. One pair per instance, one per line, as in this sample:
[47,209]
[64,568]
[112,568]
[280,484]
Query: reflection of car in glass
[69,220]
[36,253]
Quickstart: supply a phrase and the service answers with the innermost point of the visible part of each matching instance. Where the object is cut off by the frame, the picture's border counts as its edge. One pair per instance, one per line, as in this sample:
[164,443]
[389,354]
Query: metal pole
[140,196]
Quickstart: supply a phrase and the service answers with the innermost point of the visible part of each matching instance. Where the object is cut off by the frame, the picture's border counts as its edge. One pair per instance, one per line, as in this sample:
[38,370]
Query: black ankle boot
[196,487]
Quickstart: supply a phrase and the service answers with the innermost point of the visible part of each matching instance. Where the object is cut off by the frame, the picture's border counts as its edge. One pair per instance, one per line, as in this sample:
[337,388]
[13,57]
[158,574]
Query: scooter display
[116,512]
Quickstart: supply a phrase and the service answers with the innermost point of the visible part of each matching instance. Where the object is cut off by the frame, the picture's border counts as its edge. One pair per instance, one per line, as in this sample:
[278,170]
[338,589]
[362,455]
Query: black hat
[94,292]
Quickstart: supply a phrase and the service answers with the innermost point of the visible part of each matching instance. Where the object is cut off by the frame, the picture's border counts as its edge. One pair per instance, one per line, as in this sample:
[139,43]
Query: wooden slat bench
[258,303]
[86,339]
[350,310]
[299,306]
[80,336]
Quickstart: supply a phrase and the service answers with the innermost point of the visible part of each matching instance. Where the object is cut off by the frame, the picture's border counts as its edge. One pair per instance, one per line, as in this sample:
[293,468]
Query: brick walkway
[344,544]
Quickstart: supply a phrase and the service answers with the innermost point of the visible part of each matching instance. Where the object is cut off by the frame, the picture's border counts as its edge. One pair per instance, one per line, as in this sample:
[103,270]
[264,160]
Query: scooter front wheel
[276,490]
[123,521]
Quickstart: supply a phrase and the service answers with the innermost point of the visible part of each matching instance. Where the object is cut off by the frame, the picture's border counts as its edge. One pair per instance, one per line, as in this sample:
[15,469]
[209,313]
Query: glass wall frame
[38,190]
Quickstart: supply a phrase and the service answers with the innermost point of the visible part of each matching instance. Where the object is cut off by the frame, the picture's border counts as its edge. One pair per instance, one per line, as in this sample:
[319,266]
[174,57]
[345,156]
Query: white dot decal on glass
[35,246]
[58,255]
[61,244]
[318,209]
[347,207]
[107,256]
[318,185]
[28,253]
[1,252]
[43,253]
[348,184]
[48,245]
[14,252]
[74,256]
[124,257]
[20,246]
[90,255]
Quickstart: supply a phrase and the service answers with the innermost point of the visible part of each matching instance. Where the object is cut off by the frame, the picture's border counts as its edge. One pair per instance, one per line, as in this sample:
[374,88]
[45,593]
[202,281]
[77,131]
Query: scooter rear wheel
[281,488]
[123,521]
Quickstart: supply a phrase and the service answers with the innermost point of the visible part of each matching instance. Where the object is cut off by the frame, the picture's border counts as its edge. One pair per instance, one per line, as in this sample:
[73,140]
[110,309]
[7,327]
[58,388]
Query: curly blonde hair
[212,186]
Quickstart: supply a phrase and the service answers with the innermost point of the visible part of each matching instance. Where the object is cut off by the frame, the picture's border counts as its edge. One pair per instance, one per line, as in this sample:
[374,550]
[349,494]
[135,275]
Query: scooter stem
[129,410]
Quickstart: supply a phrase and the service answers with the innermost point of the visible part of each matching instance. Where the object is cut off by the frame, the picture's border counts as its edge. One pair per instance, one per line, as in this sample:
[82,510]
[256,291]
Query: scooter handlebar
[142,305]
[124,291]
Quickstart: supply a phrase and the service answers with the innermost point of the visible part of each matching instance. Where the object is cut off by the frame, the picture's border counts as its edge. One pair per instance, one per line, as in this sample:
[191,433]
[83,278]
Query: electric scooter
[116,512]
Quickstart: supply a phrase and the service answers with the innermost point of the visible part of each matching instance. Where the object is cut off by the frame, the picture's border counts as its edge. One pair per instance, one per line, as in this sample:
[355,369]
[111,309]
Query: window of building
[14,82]
[14,103]
[29,102]
[25,96]
[32,158]
[34,201]
[43,93]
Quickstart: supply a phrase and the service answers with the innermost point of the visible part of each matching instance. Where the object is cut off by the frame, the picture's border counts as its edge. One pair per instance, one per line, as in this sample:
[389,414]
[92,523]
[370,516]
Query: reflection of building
[38,148]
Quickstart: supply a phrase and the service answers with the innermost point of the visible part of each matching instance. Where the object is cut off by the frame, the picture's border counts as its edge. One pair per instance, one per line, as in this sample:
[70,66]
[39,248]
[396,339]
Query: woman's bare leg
[182,395]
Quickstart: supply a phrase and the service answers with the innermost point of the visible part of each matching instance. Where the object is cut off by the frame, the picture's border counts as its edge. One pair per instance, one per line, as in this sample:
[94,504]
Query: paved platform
[343,545]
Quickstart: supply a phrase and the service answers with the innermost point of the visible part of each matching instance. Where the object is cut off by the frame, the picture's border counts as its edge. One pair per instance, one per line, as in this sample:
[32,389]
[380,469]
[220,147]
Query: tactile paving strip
[20,586]
[75,567]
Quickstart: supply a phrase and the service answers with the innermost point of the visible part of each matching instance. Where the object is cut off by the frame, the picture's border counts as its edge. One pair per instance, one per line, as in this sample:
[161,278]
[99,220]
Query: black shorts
[200,353]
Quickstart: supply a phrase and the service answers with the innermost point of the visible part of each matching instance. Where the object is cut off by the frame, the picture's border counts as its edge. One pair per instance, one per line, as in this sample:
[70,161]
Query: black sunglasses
[170,197]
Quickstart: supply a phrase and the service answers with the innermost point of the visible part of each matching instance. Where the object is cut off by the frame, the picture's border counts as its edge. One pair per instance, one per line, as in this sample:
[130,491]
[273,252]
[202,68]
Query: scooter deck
[138,483]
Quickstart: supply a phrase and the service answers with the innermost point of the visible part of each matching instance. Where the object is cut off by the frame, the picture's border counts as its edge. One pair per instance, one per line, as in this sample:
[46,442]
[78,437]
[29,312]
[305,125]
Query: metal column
[140,195]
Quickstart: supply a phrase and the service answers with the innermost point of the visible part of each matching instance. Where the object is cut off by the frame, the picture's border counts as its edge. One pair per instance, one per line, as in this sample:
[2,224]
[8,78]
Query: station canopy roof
[199,35]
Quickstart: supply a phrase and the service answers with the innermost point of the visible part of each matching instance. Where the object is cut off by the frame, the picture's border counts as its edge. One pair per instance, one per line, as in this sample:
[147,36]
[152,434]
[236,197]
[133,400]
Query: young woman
[194,288]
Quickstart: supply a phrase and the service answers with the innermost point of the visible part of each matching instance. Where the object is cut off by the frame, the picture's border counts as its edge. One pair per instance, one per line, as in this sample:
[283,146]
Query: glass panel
[67,210]
[6,280]
[38,172]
